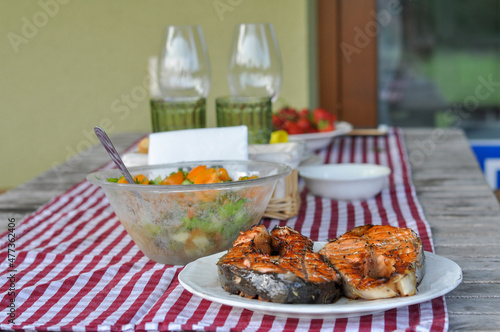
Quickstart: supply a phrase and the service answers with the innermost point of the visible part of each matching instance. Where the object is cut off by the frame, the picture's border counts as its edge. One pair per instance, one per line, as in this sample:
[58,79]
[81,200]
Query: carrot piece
[192,174]
[208,175]
[141,179]
[174,178]
[223,176]
[122,180]
[242,178]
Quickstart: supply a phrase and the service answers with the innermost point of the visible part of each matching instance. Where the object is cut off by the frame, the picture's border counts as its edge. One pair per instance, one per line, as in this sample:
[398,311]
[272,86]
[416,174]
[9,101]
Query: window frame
[347,60]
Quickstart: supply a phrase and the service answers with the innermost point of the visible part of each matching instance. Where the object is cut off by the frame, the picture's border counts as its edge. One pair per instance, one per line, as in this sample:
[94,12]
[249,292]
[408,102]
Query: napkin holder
[285,201]
[288,206]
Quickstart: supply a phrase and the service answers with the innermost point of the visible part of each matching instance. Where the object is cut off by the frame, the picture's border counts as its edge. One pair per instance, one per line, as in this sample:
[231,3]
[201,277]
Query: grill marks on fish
[279,266]
[369,262]
[377,261]
[291,248]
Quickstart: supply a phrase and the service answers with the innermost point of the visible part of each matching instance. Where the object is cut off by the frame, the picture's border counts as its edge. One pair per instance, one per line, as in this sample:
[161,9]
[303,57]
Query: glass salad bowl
[179,223]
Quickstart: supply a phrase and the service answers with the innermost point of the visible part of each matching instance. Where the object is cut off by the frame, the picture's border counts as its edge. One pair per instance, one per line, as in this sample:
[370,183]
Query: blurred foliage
[451,52]
[454,23]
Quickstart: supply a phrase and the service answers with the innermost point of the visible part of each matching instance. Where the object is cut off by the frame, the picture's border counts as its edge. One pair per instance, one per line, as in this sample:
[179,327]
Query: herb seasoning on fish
[377,261]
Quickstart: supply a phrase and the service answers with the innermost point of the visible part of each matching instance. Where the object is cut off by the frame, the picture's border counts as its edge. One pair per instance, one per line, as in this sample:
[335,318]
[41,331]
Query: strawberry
[327,127]
[288,113]
[304,121]
[304,113]
[325,121]
[292,128]
[322,114]
[304,124]
[278,122]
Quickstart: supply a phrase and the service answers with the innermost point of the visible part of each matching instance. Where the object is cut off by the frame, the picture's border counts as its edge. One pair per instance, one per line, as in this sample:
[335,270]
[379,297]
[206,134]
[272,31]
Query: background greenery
[83,63]
[456,42]
[448,66]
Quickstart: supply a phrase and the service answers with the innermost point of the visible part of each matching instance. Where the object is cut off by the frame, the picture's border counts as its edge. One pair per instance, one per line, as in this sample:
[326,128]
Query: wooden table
[463,212]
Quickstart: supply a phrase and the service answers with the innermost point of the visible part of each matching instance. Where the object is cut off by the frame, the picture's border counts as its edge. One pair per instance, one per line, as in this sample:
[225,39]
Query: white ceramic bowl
[316,141]
[345,181]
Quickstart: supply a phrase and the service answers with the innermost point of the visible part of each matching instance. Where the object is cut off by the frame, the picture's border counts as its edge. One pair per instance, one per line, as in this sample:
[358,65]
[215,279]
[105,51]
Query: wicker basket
[288,206]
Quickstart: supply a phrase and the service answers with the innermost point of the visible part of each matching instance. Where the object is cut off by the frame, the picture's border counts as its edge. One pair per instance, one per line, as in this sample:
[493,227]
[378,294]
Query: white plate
[201,278]
[317,141]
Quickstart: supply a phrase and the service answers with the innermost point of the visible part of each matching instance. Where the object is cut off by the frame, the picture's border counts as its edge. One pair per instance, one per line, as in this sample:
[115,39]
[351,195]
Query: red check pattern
[78,270]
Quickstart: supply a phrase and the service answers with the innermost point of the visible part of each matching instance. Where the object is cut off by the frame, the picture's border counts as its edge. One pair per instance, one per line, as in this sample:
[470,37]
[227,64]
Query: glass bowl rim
[100,177]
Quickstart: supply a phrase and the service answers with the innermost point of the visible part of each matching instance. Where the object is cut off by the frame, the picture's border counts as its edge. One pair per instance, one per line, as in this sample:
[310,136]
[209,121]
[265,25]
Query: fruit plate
[316,141]
[201,278]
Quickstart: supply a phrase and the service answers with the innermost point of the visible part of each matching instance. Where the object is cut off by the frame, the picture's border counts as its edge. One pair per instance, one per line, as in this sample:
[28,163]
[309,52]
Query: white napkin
[290,153]
[133,159]
[225,143]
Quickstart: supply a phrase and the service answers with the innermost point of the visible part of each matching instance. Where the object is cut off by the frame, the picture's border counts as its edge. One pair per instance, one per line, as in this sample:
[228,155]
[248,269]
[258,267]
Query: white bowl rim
[384,171]
[100,177]
[341,128]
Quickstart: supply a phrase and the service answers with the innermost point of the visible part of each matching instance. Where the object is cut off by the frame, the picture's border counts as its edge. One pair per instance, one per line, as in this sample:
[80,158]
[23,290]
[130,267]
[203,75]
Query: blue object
[488,155]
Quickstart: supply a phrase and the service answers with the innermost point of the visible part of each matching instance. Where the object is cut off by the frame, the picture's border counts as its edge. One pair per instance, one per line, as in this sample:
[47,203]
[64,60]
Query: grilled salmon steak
[278,266]
[377,261]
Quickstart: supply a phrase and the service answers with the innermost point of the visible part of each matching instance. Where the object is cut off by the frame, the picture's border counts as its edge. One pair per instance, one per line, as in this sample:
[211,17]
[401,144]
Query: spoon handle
[113,154]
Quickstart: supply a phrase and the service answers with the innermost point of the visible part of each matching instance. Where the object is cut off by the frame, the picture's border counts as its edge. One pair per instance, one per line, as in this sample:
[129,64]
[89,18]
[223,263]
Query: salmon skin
[377,261]
[278,266]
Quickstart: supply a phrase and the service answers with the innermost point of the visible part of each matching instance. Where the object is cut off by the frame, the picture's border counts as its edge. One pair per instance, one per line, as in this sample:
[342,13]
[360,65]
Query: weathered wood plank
[464,216]
[456,252]
[473,321]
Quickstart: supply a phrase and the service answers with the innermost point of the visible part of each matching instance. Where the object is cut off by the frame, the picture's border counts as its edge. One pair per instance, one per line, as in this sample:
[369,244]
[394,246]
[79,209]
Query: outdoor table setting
[76,267]
[86,249]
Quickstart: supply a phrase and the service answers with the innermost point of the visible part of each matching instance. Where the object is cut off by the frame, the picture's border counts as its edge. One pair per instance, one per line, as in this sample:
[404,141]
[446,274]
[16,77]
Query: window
[439,66]
[433,63]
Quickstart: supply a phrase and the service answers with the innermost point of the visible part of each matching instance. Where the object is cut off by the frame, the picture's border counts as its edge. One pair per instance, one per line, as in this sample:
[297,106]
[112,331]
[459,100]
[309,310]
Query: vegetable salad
[189,224]
[198,175]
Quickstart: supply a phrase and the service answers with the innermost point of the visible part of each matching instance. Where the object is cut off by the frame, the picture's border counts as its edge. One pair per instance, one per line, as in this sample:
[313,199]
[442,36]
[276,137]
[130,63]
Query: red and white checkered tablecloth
[76,268]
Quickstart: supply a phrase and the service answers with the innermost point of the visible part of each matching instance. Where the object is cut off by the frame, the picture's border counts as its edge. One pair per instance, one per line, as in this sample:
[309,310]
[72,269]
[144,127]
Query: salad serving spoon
[113,154]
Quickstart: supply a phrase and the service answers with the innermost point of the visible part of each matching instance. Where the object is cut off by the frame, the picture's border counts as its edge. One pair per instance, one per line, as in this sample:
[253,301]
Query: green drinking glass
[253,112]
[169,115]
